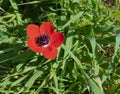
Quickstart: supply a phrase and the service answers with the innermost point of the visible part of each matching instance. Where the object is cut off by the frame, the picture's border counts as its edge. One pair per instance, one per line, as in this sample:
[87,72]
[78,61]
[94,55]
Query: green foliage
[88,61]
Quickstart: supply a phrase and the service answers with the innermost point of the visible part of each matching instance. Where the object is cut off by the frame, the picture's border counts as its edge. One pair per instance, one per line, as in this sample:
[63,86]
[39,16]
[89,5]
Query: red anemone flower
[44,39]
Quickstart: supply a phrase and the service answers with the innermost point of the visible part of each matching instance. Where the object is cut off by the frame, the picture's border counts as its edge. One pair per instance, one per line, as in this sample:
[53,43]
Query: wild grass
[88,61]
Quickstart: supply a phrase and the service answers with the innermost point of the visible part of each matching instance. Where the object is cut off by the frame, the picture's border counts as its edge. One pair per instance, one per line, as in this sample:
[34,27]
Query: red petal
[56,39]
[33,31]
[50,52]
[46,28]
[32,45]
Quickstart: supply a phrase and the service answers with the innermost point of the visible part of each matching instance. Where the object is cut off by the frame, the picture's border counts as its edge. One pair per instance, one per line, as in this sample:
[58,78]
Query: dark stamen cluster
[42,40]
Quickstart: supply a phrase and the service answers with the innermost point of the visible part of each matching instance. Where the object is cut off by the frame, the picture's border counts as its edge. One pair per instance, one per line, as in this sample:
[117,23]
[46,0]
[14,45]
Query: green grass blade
[116,45]
[18,81]
[95,89]
[31,81]
[92,84]
[15,7]
[73,19]
[42,85]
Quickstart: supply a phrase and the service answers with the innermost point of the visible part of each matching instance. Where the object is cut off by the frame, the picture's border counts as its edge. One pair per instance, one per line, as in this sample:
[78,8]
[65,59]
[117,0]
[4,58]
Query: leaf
[55,89]
[113,15]
[32,2]
[73,19]
[116,45]
[93,44]
[69,42]
[92,84]
[42,85]
[31,81]
[53,74]
[95,89]
[18,81]
[15,7]
[5,83]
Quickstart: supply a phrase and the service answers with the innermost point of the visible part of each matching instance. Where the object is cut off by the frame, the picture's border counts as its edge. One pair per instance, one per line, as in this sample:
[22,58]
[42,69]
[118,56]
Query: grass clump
[88,61]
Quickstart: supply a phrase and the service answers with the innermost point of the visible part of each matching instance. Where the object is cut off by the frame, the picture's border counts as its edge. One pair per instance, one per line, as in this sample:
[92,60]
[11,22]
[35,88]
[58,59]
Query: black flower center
[43,40]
